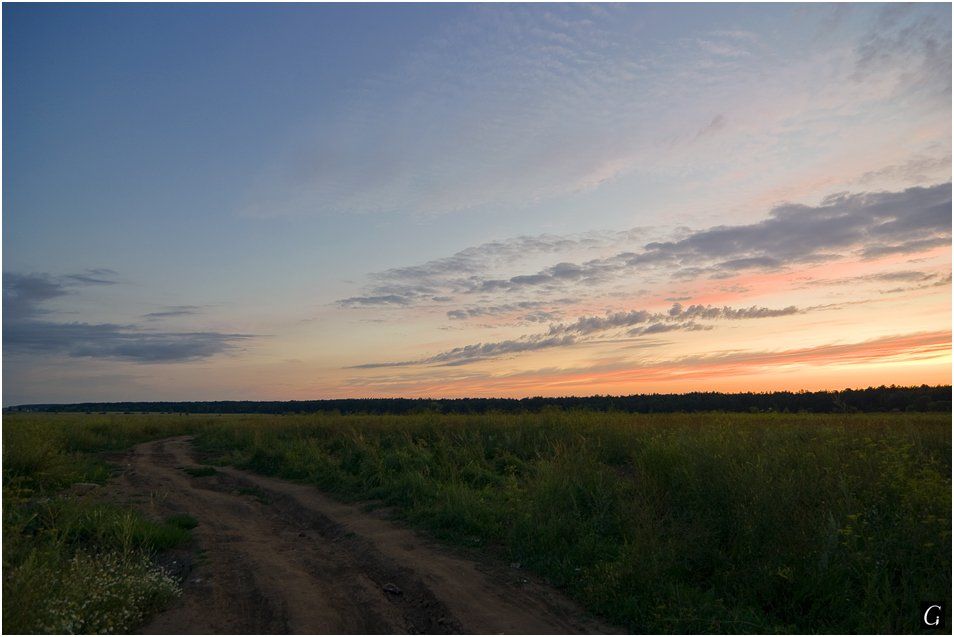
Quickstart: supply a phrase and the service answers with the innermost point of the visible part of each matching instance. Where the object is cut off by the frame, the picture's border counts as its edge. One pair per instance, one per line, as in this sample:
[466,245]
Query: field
[656,523]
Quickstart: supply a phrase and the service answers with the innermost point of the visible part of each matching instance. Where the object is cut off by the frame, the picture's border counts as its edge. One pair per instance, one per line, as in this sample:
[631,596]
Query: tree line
[923,398]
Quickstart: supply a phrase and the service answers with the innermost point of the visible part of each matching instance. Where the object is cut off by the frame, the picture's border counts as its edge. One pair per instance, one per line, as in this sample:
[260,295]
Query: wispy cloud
[567,334]
[795,233]
[844,225]
[908,49]
[477,311]
[25,293]
[377,301]
[27,330]
[717,124]
[94,276]
[919,169]
[174,311]
[468,271]
[119,342]
[620,375]
[510,106]
[878,277]
[939,282]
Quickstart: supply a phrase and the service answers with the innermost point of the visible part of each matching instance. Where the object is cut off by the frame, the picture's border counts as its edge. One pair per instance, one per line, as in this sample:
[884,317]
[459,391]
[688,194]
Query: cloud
[733,314]
[94,276]
[477,311]
[440,120]
[909,48]
[714,126]
[561,274]
[480,351]
[906,247]
[172,312]
[925,284]
[468,271]
[795,233]
[878,277]
[23,294]
[566,334]
[542,317]
[711,367]
[870,225]
[384,299]
[903,275]
[917,169]
[27,331]
[592,324]
[747,263]
[623,373]
[504,108]
[85,340]
[901,347]
[661,328]
[913,220]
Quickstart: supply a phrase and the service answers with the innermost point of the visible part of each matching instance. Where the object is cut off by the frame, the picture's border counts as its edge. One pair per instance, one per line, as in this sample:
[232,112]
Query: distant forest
[873,399]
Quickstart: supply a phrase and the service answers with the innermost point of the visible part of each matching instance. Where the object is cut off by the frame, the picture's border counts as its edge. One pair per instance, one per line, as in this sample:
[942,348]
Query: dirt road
[279,557]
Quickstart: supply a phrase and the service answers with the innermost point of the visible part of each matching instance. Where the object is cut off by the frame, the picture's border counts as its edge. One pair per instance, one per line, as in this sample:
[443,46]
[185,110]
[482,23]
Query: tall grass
[668,523]
[70,563]
[661,523]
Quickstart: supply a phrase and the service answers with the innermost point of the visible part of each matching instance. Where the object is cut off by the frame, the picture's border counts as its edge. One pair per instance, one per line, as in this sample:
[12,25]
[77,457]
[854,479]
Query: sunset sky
[213,202]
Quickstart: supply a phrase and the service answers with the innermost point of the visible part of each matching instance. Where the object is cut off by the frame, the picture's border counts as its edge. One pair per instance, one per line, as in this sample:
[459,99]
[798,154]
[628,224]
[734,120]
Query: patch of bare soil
[272,556]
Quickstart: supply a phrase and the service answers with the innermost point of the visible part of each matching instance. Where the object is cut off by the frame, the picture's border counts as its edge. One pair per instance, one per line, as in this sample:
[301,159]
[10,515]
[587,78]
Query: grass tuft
[685,523]
[71,565]
[661,523]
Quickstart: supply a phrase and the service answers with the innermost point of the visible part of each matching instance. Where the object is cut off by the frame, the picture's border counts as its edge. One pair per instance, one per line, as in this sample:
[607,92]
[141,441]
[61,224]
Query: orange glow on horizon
[923,358]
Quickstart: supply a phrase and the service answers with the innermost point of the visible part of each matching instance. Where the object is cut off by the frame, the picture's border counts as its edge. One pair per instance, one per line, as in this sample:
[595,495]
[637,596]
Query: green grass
[660,523]
[668,523]
[71,564]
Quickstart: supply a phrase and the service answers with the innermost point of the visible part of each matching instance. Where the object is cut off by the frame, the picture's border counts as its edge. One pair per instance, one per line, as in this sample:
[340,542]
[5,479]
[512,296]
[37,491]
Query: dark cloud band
[26,329]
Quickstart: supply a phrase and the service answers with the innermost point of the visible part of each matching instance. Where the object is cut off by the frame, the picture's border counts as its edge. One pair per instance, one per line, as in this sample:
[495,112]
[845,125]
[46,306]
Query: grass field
[73,564]
[660,523]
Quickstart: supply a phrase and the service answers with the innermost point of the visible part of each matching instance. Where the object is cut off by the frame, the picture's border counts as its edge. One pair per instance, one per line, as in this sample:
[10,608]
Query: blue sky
[217,201]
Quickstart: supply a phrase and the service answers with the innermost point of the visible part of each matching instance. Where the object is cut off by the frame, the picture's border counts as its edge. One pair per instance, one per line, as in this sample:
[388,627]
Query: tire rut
[281,557]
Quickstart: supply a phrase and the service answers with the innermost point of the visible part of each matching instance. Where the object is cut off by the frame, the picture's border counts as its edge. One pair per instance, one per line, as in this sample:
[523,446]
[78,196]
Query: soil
[271,556]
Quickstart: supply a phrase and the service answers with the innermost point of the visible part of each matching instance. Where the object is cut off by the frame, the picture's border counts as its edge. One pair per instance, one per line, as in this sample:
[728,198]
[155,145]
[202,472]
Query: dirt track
[279,557]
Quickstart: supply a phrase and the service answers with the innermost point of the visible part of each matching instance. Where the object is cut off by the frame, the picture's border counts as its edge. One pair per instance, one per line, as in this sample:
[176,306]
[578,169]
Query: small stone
[514,564]
[391,589]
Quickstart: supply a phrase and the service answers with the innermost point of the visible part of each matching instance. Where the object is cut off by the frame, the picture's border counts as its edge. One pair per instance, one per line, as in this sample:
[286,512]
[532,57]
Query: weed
[70,565]
[661,523]
[683,523]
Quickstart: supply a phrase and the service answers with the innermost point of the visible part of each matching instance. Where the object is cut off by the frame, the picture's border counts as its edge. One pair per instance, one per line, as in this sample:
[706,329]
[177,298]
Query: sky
[241,202]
